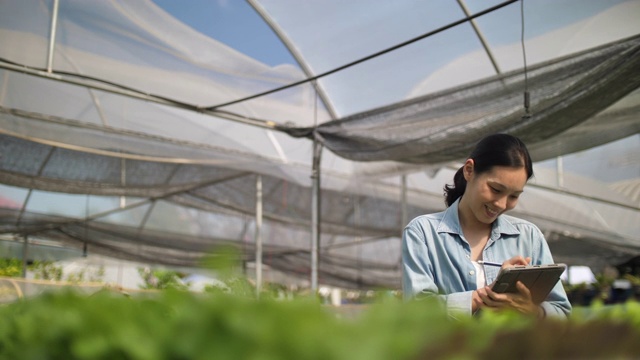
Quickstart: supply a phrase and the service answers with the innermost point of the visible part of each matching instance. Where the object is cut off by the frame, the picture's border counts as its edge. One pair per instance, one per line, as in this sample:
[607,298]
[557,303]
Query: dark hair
[493,150]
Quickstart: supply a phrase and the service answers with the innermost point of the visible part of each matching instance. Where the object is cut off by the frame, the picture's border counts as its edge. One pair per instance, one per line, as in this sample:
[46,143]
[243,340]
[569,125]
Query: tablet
[539,279]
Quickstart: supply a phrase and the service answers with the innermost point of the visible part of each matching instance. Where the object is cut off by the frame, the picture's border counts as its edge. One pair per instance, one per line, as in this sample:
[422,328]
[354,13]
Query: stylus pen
[489,263]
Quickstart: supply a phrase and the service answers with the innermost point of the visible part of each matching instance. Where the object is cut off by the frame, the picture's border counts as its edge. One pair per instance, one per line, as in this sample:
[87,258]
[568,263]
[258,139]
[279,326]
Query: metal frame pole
[25,256]
[403,202]
[560,172]
[52,35]
[480,36]
[258,235]
[315,214]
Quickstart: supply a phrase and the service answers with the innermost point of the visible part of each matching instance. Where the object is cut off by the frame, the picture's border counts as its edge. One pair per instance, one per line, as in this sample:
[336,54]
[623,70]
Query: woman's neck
[475,232]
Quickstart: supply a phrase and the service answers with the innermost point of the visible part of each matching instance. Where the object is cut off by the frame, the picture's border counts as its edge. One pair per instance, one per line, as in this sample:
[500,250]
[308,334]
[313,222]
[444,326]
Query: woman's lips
[491,213]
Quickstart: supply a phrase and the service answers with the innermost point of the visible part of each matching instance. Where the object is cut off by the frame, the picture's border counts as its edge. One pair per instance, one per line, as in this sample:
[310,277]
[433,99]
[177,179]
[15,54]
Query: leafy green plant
[11,267]
[86,275]
[181,325]
[46,270]
[161,279]
[233,323]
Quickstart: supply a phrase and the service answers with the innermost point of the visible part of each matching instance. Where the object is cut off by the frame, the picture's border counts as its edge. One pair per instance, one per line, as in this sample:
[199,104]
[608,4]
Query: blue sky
[234,23]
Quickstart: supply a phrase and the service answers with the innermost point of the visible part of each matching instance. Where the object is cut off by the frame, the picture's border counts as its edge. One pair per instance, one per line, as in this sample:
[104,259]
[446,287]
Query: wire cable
[524,58]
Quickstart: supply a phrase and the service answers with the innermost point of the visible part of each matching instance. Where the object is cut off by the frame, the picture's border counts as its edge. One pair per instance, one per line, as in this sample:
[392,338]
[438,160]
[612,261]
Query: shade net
[445,126]
[174,214]
[176,220]
[115,149]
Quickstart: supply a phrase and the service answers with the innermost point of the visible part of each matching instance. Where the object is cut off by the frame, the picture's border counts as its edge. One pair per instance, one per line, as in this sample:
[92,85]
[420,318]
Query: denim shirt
[436,258]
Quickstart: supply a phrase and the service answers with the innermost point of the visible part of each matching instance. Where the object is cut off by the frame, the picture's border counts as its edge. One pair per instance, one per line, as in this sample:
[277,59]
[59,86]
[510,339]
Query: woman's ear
[467,169]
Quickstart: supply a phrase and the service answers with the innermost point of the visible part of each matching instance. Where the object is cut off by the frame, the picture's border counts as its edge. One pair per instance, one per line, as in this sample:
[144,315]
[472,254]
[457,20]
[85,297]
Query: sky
[233,22]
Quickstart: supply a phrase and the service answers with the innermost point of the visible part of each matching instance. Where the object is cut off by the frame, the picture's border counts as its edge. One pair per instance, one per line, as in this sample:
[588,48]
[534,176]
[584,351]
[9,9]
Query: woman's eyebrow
[502,186]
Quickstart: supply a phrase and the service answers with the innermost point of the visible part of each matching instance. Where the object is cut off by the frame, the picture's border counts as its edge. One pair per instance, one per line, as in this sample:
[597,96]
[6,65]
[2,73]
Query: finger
[523,290]
[495,297]
[490,293]
[482,290]
[520,260]
[486,300]
[525,300]
[525,297]
[476,302]
[516,260]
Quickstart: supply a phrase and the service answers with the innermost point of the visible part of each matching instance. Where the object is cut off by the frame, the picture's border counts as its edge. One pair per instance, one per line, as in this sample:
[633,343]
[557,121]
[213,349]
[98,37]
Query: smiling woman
[442,252]
[496,150]
[496,191]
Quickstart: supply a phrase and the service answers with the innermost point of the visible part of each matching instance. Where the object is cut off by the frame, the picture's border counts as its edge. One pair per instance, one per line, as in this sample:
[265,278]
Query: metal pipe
[145,218]
[403,202]
[141,96]
[560,172]
[86,225]
[123,180]
[52,35]
[25,253]
[403,209]
[3,88]
[296,55]
[125,155]
[483,41]
[357,239]
[28,197]
[258,235]
[315,214]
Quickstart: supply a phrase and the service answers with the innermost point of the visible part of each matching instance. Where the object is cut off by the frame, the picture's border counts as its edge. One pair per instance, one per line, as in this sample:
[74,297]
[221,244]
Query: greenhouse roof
[141,129]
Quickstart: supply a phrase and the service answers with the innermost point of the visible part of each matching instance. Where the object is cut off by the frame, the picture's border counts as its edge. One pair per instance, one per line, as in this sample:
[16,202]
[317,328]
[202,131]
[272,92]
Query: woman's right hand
[516,260]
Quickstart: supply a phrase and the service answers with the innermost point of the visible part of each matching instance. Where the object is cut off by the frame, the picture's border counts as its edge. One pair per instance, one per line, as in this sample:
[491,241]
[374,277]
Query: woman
[441,251]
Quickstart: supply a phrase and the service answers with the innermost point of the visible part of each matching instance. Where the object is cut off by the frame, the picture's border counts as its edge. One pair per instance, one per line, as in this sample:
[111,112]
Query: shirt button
[471,272]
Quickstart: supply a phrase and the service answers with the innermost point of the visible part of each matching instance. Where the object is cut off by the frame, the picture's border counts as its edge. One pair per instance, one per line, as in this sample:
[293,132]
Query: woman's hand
[520,301]
[516,260]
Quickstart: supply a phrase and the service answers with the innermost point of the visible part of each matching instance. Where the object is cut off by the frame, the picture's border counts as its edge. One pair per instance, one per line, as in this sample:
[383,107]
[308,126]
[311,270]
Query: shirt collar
[450,223]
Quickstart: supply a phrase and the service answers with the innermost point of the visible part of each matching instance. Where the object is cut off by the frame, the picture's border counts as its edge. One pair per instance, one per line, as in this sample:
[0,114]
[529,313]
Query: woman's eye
[494,190]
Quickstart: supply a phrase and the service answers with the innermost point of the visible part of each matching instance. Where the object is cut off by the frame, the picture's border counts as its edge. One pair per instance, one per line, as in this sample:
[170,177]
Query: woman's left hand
[520,301]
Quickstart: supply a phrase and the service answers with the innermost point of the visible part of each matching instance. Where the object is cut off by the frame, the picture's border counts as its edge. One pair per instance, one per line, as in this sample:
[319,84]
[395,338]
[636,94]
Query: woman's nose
[500,202]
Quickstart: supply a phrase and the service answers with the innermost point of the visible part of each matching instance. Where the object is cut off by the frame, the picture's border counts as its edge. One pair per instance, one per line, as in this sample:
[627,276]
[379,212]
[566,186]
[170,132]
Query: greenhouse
[307,134]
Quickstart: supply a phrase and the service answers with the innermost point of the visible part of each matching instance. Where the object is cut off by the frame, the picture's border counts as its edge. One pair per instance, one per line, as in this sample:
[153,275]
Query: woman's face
[494,192]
